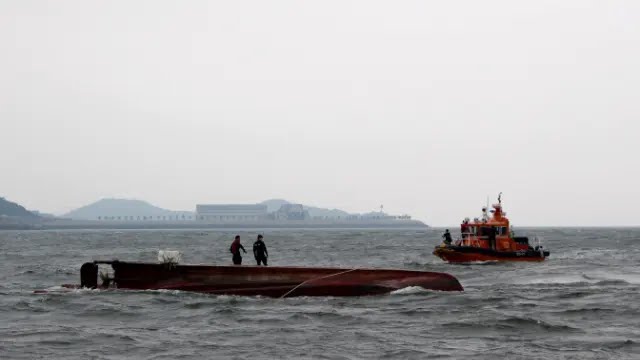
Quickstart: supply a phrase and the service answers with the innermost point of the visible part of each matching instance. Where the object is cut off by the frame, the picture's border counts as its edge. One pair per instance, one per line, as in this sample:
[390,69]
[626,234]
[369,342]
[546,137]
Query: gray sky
[426,107]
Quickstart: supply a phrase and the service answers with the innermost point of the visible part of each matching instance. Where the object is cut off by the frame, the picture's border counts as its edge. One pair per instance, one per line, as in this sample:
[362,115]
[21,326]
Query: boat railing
[468,239]
[538,245]
[537,241]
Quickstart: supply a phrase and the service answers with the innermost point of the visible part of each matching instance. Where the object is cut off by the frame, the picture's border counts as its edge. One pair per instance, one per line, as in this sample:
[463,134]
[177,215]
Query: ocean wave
[580,303]
[586,310]
[513,323]
[410,290]
[28,306]
[53,290]
[596,255]
[613,282]
[592,278]
[620,344]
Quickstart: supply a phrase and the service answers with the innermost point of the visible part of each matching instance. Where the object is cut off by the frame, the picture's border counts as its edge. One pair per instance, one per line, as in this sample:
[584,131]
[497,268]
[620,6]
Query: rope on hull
[317,278]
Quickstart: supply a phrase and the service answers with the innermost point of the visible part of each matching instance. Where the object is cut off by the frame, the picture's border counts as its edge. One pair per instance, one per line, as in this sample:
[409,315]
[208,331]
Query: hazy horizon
[425,107]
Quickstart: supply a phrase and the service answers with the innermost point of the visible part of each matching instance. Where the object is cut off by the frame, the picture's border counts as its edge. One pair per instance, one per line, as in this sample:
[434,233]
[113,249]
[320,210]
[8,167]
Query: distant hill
[322,212]
[138,208]
[8,208]
[274,205]
[120,207]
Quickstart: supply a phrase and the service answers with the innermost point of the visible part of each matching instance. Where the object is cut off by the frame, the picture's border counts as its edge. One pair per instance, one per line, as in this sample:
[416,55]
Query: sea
[582,303]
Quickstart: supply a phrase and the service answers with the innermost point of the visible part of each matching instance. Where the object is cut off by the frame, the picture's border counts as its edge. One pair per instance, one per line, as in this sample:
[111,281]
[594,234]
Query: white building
[231,212]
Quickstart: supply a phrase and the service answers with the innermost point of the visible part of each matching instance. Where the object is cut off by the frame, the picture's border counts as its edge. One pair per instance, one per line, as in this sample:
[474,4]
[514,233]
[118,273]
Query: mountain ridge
[135,207]
[9,208]
[120,207]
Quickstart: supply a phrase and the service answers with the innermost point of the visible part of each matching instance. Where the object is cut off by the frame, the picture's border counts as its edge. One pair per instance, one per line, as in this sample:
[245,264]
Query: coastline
[160,225]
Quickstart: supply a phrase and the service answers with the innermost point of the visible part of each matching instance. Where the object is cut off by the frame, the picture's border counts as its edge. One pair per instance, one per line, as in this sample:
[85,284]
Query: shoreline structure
[136,214]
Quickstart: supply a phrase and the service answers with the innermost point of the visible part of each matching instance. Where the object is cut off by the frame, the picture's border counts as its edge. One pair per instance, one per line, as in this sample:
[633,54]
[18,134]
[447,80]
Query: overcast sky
[427,107]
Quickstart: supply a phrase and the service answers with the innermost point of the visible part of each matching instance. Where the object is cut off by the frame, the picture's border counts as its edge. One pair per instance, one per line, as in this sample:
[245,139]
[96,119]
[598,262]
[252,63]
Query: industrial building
[291,212]
[231,212]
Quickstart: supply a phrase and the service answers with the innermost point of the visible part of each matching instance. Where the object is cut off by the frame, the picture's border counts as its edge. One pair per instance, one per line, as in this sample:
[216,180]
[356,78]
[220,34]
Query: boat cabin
[491,232]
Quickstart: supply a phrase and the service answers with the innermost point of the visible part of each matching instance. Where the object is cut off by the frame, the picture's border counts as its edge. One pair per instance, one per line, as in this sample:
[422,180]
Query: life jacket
[235,247]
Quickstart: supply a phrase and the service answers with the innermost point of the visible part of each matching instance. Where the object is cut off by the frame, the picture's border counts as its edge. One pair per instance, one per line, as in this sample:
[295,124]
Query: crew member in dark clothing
[447,237]
[260,251]
[235,250]
[492,237]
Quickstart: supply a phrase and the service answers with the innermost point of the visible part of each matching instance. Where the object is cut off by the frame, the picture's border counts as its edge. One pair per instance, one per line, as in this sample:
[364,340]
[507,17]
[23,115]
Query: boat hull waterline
[466,254]
[264,281]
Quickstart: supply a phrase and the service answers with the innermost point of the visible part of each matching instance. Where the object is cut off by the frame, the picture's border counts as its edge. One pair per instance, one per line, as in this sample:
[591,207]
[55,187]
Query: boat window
[485,231]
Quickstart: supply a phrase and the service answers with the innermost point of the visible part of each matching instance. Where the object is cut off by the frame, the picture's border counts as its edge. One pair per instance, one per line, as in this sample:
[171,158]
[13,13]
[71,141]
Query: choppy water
[583,303]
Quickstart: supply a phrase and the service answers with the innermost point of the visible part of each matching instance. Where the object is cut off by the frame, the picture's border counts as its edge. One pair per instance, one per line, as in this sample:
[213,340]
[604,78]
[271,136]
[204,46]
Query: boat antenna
[500,198]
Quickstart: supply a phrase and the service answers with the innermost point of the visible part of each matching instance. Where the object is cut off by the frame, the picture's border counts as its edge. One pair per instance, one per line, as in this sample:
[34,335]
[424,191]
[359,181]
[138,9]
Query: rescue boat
[490,239]
[266,281]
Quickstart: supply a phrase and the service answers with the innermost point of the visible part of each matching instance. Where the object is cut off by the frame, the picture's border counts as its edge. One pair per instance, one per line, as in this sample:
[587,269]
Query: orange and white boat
[489,239]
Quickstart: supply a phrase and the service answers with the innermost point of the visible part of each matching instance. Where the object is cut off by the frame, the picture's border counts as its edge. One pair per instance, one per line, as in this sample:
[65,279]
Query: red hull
[275,281]
[453,256]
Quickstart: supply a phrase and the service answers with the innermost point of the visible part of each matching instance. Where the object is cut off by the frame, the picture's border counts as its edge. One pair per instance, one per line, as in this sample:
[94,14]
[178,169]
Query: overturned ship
[276,282]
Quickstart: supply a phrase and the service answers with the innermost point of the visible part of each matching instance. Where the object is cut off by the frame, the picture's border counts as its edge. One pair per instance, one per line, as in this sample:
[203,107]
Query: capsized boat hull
[272,281]
[466,254]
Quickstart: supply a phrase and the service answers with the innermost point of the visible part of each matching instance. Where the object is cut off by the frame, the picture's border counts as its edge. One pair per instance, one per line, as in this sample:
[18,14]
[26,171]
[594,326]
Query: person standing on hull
[260,251]
[447,237]
[235,250]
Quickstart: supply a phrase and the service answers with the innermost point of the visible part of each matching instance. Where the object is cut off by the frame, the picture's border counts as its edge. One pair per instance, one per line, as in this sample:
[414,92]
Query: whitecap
[593,277]
[410,290]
